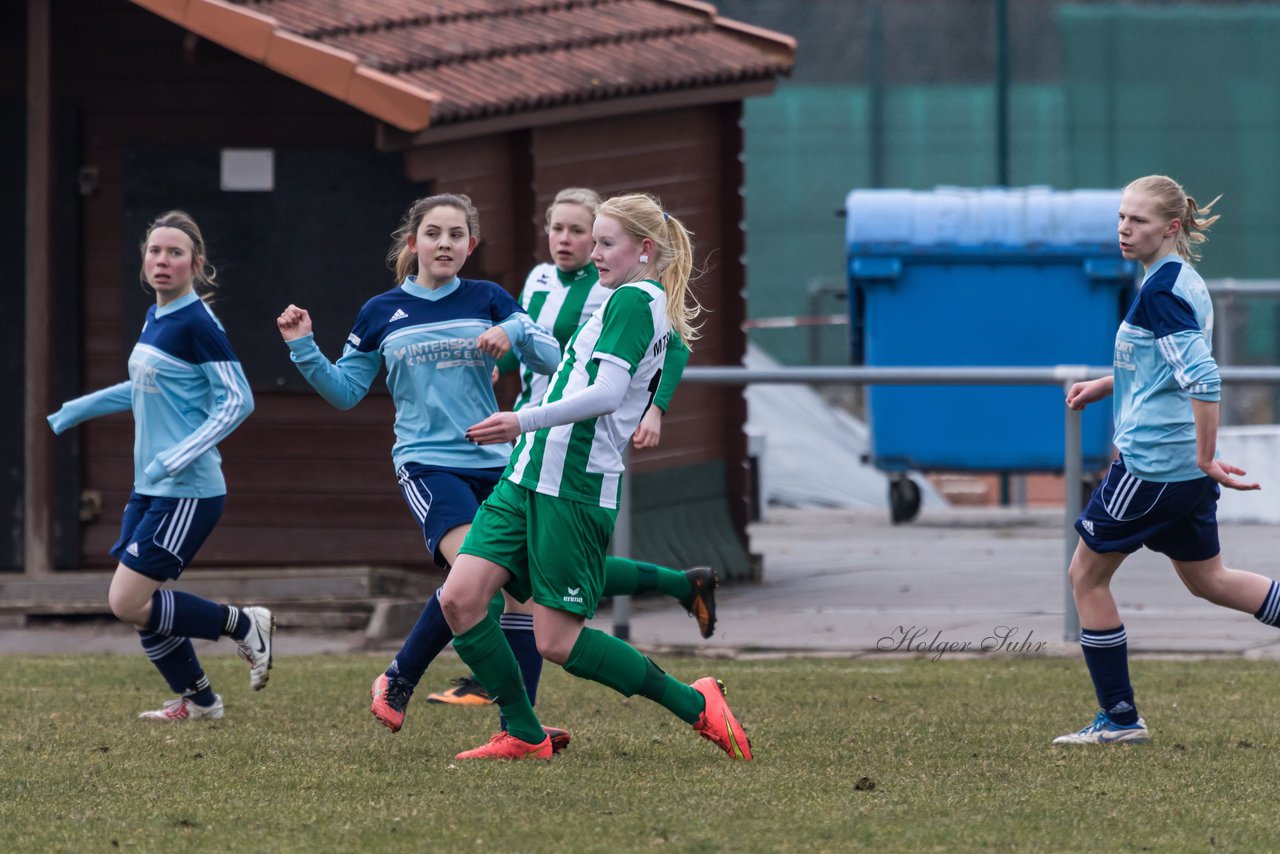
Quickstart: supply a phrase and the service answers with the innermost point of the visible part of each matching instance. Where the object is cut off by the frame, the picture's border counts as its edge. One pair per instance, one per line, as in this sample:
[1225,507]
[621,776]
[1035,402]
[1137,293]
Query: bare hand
[1222,473]
[649,433]
[1082,394]
[496,429]
[495,342]
[294,323]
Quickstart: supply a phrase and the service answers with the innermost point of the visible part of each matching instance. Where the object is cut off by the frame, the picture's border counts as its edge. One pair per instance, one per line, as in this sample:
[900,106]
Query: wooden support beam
[38,348]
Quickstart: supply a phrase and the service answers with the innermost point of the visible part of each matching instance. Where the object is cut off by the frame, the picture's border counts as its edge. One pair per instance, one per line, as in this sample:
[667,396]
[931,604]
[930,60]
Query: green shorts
[554,548]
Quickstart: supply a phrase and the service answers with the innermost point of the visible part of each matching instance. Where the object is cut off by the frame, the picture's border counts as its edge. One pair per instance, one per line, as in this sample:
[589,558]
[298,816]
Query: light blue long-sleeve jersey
[440,381]
[1163,358]
[187,392]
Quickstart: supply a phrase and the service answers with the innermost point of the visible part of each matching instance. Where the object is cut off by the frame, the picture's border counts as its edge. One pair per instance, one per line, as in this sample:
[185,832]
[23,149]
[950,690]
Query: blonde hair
[203,275]
[642,216]
[581,196]
[404,260]
[1172,202]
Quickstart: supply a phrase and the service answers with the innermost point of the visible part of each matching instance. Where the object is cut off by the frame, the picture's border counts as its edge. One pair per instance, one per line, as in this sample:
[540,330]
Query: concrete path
[841,582]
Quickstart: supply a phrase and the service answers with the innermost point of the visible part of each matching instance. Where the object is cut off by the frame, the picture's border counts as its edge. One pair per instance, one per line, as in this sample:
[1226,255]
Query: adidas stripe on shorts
[1177,519]
[160,536]
[442,498]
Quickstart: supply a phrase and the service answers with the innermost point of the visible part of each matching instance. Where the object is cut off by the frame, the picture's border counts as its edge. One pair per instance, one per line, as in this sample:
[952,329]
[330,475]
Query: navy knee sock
[1106,653]
[175,658]
[1269,613]
[428,637]
[518,630]
[177,614]
[234,623]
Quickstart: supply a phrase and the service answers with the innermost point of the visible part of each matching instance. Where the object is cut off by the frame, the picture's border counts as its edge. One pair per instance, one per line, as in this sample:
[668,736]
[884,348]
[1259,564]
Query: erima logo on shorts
[573,595]
[1088,526]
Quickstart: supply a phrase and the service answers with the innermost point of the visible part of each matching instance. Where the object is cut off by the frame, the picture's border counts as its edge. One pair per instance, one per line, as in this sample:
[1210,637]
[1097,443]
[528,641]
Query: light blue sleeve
[106,401]
[538,349]
[232,403]
[343,384]
[1193,365]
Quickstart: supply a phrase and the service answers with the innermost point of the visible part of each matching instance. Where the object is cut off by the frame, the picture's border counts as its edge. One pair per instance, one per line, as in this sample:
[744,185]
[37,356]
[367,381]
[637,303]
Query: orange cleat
[504,745]
[390,696]
[717,723]
[465,692]
[701,603]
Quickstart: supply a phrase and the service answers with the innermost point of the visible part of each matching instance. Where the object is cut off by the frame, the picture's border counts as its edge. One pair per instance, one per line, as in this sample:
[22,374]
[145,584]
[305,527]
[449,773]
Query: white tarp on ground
[1256,449]
[811,451]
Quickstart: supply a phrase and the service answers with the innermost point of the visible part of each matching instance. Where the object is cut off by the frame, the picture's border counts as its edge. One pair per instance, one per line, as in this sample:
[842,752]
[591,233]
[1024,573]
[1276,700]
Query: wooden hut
[297,132]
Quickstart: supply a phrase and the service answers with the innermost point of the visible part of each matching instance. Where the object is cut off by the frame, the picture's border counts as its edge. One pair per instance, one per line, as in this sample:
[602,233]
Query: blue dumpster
[1002,277]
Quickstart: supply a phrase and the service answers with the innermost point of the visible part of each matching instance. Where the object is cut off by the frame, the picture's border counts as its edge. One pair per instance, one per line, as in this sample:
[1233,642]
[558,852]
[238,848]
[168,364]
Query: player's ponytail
[1172,202]
[642,216]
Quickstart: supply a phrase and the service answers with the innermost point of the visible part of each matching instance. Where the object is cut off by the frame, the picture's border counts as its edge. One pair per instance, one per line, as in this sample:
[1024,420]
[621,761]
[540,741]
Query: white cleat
[183,709]
[1105,731]
[256,646]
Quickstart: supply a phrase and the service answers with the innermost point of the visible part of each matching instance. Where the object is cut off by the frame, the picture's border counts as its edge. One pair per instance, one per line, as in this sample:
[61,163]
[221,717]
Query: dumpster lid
[1001,219]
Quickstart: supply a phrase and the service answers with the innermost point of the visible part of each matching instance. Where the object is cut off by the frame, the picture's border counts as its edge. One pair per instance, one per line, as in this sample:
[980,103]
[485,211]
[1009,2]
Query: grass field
[882,754]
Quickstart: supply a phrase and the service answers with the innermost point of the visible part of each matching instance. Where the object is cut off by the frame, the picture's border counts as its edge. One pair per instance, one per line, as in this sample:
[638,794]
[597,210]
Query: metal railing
[1059,375]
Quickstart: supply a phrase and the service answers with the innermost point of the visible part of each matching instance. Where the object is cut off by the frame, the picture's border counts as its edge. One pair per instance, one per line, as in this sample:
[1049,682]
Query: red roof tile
[473,59]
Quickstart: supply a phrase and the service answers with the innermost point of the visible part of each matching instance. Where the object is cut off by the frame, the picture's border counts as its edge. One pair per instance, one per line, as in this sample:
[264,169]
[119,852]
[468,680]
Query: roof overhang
[334,72]
[413,114]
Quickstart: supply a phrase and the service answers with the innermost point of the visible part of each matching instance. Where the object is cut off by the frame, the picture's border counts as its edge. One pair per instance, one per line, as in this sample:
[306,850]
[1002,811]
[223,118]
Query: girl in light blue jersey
[439,337]
[543,531]
[1163,490]
[187,392]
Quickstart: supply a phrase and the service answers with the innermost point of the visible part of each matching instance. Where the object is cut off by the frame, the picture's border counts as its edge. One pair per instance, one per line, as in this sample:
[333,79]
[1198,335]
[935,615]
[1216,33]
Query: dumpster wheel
[904,499]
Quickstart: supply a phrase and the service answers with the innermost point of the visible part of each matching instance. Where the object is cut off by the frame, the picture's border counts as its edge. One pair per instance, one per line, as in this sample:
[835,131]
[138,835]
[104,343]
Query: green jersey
[562,302]
[558,301]
[582,461]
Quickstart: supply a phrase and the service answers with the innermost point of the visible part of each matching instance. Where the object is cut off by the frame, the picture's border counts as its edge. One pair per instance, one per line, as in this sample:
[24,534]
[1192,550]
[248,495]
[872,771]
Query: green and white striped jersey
[582,461]
[560,302]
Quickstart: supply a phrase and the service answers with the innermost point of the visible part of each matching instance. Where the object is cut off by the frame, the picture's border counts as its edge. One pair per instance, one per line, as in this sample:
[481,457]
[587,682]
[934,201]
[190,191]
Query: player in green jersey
[542,533]
[560,296]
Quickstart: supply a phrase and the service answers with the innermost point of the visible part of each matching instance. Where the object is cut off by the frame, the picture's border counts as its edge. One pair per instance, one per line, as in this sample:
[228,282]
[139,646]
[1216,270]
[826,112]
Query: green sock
[605,659]
[485,650]
[626,577]
[497,605]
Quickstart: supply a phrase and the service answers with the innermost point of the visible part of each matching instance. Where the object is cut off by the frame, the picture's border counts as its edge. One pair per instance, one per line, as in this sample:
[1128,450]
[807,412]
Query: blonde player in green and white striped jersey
[542,534]
[561,296]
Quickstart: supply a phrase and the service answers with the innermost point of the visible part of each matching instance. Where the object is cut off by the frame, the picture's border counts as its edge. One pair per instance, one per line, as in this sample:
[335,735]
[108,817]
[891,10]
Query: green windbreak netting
[1193,92]
[1187,89]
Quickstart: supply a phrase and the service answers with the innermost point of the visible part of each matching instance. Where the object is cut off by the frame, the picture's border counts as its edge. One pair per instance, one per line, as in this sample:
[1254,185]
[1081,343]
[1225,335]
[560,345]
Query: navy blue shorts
[1176,519]
[442,498]
[160,536]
